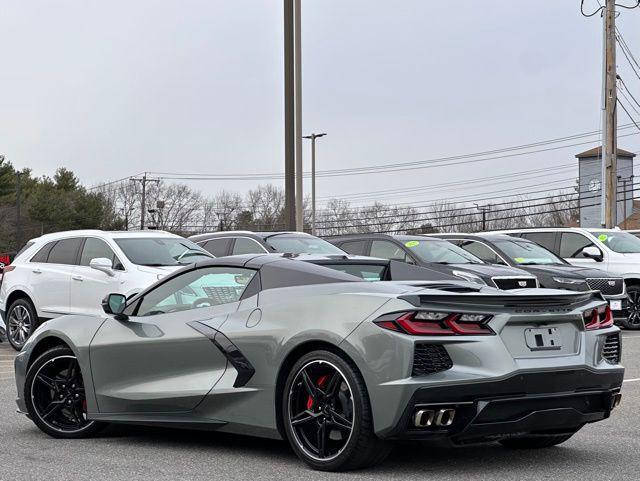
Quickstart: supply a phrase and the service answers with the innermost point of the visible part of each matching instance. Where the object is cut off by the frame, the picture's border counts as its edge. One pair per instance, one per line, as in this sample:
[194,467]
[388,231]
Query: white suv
[612,250]
[71,272]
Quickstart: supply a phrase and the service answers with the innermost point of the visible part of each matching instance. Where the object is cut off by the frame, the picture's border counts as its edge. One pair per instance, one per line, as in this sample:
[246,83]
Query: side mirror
[115,304]
[102,264]
[592,252]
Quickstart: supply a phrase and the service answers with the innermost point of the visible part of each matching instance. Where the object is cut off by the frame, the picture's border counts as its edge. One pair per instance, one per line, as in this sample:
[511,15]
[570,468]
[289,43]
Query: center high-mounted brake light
[428,323]
[598,318]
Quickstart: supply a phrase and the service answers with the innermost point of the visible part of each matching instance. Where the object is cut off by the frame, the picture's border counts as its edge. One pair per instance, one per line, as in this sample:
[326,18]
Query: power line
[589,14]
[628,114]
[403,166]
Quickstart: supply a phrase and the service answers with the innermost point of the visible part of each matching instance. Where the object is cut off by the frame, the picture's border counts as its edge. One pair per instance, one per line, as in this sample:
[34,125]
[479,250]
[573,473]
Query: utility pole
[298,116]
[289,113]
[313,138]
[609,137]
[143,201]
[484,209]
[18,211]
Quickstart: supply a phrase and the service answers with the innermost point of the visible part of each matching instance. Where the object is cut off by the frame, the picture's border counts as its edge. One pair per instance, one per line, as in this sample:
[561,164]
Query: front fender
[76,332]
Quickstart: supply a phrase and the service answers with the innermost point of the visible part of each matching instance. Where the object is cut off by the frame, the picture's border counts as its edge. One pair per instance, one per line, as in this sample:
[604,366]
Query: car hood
[159,270]
[490,270]
[567,271]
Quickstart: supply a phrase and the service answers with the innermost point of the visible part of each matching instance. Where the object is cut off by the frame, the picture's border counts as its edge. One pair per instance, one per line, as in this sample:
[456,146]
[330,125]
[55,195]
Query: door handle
[77,278]
[36,271]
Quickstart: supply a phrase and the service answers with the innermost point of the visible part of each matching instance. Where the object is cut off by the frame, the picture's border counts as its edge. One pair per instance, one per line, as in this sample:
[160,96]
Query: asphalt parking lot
[604,451]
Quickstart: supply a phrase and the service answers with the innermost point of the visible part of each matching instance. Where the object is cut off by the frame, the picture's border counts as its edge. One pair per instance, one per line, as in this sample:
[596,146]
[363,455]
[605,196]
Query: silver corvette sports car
[340,367]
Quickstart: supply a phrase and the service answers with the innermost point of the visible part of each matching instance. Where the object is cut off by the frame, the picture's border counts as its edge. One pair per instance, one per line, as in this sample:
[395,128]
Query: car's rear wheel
[633,319]
[327,415]
[535,442]
[55,395]
[22,320]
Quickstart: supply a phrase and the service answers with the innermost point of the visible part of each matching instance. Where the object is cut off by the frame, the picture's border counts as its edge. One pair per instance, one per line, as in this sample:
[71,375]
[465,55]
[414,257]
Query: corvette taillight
[428,323]
[598,318]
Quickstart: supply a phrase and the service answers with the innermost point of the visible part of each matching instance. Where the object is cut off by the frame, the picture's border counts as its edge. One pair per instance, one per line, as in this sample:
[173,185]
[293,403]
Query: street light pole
[313,138]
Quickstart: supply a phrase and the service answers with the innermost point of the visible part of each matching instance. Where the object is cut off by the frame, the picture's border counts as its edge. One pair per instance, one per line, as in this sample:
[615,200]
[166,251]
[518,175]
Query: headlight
[568,280]
[468,276]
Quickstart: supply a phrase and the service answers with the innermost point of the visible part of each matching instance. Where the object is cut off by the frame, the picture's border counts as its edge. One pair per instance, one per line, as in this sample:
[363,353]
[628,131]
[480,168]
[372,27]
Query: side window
[243,245]
[65,252]
[571,245]
[388,250]
[43,253]
[206,287]
[355,248]
[94,248]
[482,252]
[545,239]
[217,247]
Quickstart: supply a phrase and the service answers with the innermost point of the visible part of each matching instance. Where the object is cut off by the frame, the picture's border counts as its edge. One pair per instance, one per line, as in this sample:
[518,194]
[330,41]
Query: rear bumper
[538,403]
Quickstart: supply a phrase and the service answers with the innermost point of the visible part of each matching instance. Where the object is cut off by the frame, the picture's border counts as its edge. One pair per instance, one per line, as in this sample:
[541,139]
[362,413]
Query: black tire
[362,447]
[535,442]
[67,419]
[21,321]
[632,321]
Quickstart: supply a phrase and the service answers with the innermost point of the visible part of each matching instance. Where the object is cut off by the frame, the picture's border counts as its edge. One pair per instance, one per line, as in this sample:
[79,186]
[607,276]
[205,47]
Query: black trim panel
[230,350]
[535,403]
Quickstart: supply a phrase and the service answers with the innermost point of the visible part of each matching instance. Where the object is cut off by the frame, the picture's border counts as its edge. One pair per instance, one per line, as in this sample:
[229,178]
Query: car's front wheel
[22,320]
[327,415]
[55,395]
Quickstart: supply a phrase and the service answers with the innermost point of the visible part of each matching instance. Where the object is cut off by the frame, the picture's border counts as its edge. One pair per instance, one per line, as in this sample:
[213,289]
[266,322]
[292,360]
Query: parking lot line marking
[632,380]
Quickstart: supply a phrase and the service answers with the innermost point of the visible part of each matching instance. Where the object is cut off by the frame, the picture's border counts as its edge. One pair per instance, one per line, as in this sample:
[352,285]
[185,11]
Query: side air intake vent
[429,359]
[612,349]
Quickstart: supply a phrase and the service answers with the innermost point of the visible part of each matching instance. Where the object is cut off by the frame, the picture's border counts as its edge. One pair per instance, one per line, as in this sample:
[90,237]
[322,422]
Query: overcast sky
[111,89]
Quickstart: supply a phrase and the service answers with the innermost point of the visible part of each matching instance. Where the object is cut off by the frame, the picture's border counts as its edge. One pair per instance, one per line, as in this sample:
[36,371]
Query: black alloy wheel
[633,318]
[55,395]
[327,414]
[321,410]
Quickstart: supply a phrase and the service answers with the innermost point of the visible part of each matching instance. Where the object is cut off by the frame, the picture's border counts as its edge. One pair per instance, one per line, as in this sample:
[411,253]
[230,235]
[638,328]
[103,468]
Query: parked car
[436,254]
[231,243]
[274,347]
[71,272]
[552,271]
[611,250]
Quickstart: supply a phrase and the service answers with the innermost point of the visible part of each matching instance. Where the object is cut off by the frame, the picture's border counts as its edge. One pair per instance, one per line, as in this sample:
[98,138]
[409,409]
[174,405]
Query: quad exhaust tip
[424,418]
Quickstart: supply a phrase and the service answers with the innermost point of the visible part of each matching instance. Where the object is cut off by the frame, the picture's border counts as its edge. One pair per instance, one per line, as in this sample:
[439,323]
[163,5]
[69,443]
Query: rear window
[367,272]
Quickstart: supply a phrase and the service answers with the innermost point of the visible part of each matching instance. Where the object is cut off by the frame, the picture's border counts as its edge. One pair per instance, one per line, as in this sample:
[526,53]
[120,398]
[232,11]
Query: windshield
[368,272]
[441,252]
[618,241]
[161,251]
[527,253]
[302,244]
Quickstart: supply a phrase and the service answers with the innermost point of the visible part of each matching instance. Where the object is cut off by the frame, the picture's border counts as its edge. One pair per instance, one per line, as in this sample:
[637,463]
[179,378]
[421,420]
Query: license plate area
[615,305]
[543,339]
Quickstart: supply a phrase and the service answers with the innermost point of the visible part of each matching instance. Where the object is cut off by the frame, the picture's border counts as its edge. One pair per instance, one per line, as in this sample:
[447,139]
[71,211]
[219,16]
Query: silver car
[275,347]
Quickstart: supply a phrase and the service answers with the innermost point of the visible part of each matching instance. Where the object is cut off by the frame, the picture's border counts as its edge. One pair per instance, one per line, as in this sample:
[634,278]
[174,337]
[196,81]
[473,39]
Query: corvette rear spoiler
[504,300]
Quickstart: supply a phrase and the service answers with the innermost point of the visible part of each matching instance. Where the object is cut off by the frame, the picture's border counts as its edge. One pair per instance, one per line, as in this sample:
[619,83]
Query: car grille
[429,359]
[612,349]
[604,286]
[506,283]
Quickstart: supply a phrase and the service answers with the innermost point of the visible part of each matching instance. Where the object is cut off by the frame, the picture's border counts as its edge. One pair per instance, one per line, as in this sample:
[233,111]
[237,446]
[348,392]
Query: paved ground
[605,451]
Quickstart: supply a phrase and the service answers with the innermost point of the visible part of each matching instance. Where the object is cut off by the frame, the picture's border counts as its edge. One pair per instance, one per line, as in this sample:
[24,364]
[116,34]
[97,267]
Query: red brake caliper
[321,382]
